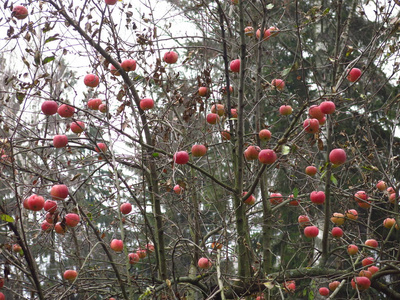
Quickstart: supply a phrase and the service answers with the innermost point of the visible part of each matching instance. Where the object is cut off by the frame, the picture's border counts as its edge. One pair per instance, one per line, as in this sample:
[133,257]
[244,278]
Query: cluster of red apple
[52,220]
[134,257]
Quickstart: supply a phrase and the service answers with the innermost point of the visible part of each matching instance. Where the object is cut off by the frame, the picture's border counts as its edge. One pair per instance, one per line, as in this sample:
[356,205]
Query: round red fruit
[285,110]
[59,191]
[279,84]
[317,197]
[204,263]
[311,170]
[35,202]
[77,127]
[146,103]
[324,291]
[337,232]
[212,118]
[72,219]
[181,157]
[125,208]
[66,111]
[267,156]
[362,283]
[70,275]
[311,125]
[354,74]
[171,57]
[128,65]
[235,65]
[100,148]
[337,156]
[275,198]
[19,12]
[266,36]
[117,245]
[251,153]
[91,80]
[311,231]
[133,258]
[94,103]
[327,107]
[49,107]
[199,150]
[264,134]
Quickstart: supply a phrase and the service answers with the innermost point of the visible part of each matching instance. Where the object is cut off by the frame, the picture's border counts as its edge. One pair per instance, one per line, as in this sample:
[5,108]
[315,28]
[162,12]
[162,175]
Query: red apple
[19,12]
[361,198]
[234,113]
[311,125]
[70,275]
[25,203]
[311,231]
[60,228]
[322,121]
[128,65]
[181,157]
[371,243]
[60,141]
[311,170]
[390,190]
[381,185]
[275,198]
[16,248]
[150,248]
[133,258]
[114,70]
[72,219]
[218,109]
[203,91]
[333,285]
[100,148]
[290,286]
[91,80]
[146,103]
[323,291]
[224,90]
[204,263]
[274,31]
[2,296]
[35,202]
[392,198]
[337,156]
[251,153]
[178,189]
[315,112]
[354,74]
[278,84]
[352,249]
[264,134]
[266,36]
[304,220]
[46,226]
[373,269]
[294,202]
[199,150]
[327,107]
[235,65]
[352,214]
[267,156]
[59,191]
[77,127]
[50,218]
[125,208]
[170,57]
[337,232]
[226,136]
[367,261]
[66,111]
[365,273]
[142,253]
[389,223]
[338,218]
[49,107]
[103,108]
[317,197]
[117,245]
[249,31]
[249,201]
[285,110]
[362,283]
[212,118]
[94,103]
[110,2]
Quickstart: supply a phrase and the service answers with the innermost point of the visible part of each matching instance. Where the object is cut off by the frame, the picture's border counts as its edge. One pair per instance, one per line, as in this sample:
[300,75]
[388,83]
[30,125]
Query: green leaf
[285,150]
[270,6]
[326,11]
[156,154]
[7,218]
[295,192]
[48,59]
[333,179]
[286,71]
[323,174]
[20,97]
[52,38]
